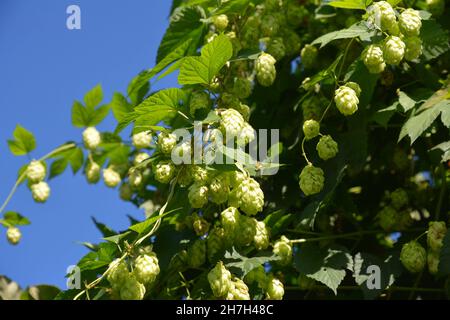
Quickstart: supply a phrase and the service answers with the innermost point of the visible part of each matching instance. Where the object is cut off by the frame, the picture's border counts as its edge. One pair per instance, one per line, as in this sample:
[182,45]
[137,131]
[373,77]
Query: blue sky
[44,67]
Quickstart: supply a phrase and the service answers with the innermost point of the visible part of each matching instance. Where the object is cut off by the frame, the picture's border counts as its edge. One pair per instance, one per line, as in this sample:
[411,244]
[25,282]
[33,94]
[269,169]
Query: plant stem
[304,153]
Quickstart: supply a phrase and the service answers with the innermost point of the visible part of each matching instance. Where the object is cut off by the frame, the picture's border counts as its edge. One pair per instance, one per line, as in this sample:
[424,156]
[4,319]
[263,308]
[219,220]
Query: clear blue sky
[43,68]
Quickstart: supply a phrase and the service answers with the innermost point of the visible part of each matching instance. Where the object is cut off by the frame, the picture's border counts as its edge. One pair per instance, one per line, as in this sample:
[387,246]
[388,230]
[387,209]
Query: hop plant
[305,283]
[236,178]
[146,268]
[91,138]
[436,233]
[275,289]
[393,50]
[231,123]
[118,273]
[36,171]
[13,235]
[230,219]
[182,152]
[196,256]
[242,88]
[433,261]
[355,87]
[219,279]
[283,249]
[276,48]
[199,100]
[327,147]
[251,197]
[238,290]
[269,25]
[164,171]
[246,231]
[220,22]
[40,191]
[246,135]
[141,140]
[311,129]
[132,289]
[216,242]
[166,142]
[261,239]
[383,15]
[257,275]
[387,218]
[436,7]
[410,22]
[309,56]
[198,195]
[219,189]
[413,48]
[413,257]
[346,100]
[200,225]
[92,172]
[125,192]
[312,108]
[135,178]
[111,177]
[399,198]
[140,157]
[373,59]
[265,69]
[311,180]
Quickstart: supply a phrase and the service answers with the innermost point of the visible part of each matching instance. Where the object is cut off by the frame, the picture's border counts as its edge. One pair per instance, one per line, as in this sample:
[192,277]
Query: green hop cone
[313,108]
[311,180]
[238,290]
[199,100]
[399,198]
[410,22]
[327,148]
[265,69]
[382,14]
[13,235]
[198,195]
[257,275]
[219,188]
[433,261]
[261,239]
[283,249]
[387,218]
[40,191]
[230,218]
[242,88]
[436,233]
[164,171]
[309,56]
[118,273]
[166,142]
[311,129]
[373,59]
[220,22]
[251,197]
[245,232]
[200,174]
[276,48]
[413,49]
[219,279]
[275,289]
[141,140]
[92,172]
[393,50]
[36,171]
[413,257]
[200,225]
[346,100]
[111,177]
[216,243]
[196,256]
[292,42]
[231,123]
[91,138]
[146,268]
[355,87]
[269,25]
[132,289]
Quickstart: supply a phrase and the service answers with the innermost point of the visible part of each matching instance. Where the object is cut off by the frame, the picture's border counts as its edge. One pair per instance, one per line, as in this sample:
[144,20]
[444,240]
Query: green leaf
[12,218]
[383,116]
[103,228]
[201,70]
[349,4]
[43,292]
[445,115]
[58,167]
[278,221]
[23,142]
[144,226]
[405,101]
[444,258]
[73,156]
[93,97]
[120,106]
[98,115]
[139,87]
[186,23]
[394,2]
[117,238]
[417,125]
[79,115]
[173,56]
[357,30]
[323,264]
[235,6]
[435,40]
[244,264]
[116,152]
[445,148]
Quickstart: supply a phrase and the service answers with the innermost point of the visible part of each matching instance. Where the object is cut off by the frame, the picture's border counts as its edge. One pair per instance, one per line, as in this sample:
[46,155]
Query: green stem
[23,175]
[304,152]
